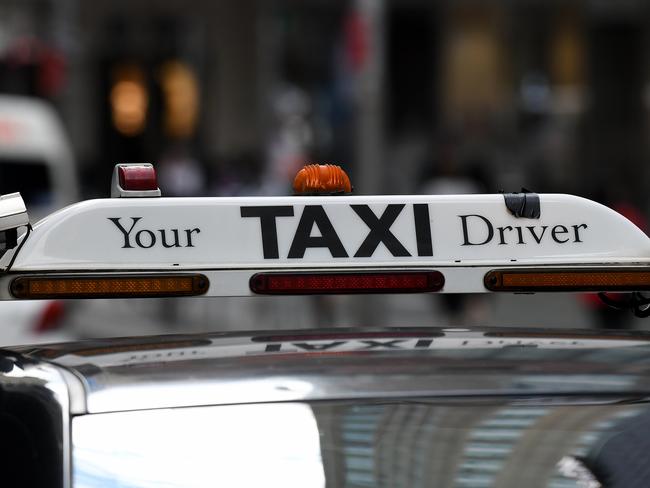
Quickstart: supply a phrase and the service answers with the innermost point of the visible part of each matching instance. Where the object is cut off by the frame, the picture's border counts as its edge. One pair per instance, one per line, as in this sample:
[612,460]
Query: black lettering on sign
[267,216]
[559,229]
[423,229]
[126,233]
[488,225]
[502,231]
[380,231]
[151,239]
[189,233]
[576,230]
[163,238]
[315,215]
[538,239]
[521,236]
[146,238]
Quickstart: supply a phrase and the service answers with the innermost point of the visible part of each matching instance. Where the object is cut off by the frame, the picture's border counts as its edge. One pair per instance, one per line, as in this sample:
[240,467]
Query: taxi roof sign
[469,239]
[344,231]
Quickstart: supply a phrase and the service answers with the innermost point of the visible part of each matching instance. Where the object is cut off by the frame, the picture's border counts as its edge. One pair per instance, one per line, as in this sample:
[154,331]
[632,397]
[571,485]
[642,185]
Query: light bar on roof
[229,240]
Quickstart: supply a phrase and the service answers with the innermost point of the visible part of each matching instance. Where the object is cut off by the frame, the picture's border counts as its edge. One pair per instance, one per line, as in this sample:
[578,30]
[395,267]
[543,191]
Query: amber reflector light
[343,283]
[321,179]
[599,279]
[124,286]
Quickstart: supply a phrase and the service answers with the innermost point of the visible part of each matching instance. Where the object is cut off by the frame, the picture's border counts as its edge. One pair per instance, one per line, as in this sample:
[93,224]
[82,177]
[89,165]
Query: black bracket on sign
[523,205]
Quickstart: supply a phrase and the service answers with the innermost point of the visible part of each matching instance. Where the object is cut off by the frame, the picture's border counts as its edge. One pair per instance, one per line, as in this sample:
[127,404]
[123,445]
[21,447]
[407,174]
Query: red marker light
[347,282]
[137,178]
[134,181]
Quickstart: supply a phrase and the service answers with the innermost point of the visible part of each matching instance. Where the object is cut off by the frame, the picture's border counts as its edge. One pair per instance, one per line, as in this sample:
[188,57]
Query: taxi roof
[348,364]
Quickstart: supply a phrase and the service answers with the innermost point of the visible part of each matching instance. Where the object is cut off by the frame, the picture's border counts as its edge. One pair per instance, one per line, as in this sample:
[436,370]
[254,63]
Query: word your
[147,238]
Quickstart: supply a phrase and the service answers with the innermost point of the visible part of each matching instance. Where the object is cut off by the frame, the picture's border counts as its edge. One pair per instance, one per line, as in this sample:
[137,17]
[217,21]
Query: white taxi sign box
[229,239]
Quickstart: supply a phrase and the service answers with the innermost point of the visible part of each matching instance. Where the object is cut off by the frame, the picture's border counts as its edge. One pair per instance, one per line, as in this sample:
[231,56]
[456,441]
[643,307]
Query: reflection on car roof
[182,370]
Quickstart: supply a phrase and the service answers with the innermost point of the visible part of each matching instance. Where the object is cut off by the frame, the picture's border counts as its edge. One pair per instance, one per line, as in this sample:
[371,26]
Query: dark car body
[337,407]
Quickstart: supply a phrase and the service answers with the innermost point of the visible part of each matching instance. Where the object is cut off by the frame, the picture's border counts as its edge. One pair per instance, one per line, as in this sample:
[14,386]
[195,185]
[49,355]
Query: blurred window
[30,177]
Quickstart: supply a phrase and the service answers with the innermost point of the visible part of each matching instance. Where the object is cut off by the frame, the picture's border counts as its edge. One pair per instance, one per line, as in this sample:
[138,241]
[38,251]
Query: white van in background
[36,159]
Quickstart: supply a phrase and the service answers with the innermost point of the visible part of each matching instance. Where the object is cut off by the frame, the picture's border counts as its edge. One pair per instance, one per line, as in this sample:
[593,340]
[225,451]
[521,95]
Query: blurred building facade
[554,96]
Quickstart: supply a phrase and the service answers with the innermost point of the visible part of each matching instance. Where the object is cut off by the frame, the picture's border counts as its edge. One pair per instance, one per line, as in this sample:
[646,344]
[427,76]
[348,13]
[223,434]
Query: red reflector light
[346,282]
[591,279]
[137,178]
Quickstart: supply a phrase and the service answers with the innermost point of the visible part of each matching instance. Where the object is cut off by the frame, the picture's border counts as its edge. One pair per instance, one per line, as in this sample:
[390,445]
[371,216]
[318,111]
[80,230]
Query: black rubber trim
[523,205]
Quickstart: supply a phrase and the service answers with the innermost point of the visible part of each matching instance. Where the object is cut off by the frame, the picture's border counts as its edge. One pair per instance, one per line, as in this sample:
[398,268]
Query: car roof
[351,364]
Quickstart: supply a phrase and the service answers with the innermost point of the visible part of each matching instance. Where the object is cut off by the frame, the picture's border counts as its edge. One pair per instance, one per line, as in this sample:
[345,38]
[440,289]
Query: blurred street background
[409,96]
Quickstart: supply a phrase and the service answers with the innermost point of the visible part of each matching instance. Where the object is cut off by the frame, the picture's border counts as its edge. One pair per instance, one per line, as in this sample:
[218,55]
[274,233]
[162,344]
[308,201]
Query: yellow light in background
[474,61]
[181,97]
[129,100]
[567,50]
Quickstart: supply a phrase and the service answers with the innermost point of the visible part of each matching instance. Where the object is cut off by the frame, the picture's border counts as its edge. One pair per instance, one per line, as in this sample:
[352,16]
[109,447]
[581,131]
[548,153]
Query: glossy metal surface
[50,387]
[525,365]
[400,443]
